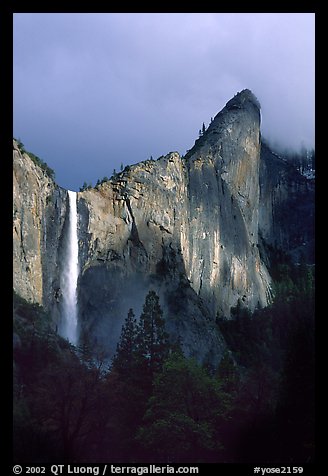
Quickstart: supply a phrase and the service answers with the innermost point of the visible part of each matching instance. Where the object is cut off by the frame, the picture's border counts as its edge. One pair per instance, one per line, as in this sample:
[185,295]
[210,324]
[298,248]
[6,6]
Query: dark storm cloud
[92,91]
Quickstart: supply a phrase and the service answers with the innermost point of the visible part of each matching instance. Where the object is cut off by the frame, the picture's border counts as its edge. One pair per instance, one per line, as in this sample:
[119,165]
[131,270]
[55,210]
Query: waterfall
[69,275]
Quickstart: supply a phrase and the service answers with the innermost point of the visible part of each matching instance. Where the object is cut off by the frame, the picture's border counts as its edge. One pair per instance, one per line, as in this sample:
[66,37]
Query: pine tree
[125,357]
[84,187]
[153,340]
[140,353]
[203,129]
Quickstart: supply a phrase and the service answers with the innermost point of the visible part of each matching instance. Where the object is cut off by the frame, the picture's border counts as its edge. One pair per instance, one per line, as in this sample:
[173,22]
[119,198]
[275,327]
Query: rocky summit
[194,228]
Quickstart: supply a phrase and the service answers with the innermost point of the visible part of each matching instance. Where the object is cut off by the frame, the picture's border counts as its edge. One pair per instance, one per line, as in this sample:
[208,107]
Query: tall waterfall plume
[70,274]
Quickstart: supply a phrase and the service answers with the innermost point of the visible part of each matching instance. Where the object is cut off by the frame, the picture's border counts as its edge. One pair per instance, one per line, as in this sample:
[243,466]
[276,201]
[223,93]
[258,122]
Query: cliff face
[286,213]
[186,227]
[29,189]
[39,213]
[223,171]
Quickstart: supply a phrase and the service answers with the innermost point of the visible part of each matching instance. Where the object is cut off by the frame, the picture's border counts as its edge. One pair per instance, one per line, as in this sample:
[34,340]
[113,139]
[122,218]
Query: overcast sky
[92,91]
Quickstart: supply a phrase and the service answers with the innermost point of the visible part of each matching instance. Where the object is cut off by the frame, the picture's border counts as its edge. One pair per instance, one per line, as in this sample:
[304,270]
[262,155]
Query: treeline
[41,163]
[304,160]
[155,405]
[89,186]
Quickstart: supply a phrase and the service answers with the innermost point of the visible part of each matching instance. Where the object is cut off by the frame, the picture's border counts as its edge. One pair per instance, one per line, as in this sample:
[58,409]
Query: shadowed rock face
[186,227]
[286,213]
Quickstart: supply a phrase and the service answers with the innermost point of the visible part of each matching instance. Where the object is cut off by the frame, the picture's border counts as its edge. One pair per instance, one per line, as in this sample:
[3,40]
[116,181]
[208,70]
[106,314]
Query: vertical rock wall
[187,227]
[39,211]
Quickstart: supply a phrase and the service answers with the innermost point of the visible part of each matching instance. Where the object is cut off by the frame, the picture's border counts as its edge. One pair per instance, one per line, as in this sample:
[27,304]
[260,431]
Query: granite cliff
[286,212]
[187,227]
